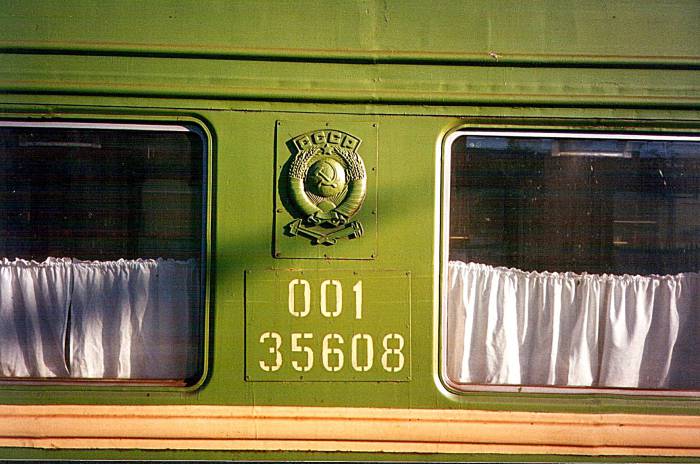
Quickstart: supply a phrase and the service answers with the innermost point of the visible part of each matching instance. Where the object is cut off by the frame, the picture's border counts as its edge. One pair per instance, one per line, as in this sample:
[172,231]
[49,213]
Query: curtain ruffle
[122,319]
[507,326]
[34,302]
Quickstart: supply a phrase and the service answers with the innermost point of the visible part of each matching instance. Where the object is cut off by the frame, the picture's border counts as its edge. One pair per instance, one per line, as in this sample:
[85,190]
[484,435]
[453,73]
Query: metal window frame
[179,125]
[443,178]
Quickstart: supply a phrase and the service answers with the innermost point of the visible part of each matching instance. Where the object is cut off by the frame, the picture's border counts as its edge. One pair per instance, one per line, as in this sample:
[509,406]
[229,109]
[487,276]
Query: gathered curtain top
[584,276]
[18,262]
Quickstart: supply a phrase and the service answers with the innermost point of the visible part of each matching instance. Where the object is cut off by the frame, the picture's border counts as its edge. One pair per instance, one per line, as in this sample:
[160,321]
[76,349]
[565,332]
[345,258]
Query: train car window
[102,251]
[573,263]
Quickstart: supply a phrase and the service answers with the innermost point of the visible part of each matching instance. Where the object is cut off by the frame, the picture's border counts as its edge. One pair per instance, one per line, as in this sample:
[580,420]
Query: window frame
[442,232]
[147,124]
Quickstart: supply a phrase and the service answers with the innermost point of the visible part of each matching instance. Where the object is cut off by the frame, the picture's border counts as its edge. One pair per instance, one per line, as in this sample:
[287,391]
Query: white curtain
[127,319]
[133,319]
[34,300]
[507,326]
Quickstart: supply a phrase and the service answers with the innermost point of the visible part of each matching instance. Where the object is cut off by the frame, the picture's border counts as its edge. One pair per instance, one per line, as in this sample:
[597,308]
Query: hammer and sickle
[324,180]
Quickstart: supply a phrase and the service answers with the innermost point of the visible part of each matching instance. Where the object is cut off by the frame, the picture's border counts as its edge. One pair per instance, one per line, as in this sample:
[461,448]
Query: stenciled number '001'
[325,311]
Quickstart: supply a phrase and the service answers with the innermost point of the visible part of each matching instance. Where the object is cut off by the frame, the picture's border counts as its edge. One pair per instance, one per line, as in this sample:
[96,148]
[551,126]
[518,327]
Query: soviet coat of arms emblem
[327,184]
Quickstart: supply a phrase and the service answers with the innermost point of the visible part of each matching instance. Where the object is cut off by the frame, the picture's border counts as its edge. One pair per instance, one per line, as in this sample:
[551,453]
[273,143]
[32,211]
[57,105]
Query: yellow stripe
[346,429]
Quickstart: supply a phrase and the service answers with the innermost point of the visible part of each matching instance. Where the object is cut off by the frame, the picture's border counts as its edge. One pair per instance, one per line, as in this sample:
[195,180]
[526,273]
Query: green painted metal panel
[328,326]
[416,69]
[241,241]
[356,236]
[590,31]
[434,84]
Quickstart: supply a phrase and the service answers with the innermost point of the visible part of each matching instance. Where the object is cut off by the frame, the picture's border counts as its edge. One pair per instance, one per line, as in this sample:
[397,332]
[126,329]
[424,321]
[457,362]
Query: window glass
[573,261]
[101,248]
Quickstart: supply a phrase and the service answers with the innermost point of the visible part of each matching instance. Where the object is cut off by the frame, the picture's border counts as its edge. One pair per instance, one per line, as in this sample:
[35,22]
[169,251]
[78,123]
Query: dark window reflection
[596,206]
[100,194]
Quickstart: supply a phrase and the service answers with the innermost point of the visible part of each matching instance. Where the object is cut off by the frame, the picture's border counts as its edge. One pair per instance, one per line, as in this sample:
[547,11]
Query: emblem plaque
[323,184]
[327,185]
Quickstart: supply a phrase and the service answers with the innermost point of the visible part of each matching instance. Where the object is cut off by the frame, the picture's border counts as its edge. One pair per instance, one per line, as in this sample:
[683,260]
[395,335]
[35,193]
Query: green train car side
[240,230]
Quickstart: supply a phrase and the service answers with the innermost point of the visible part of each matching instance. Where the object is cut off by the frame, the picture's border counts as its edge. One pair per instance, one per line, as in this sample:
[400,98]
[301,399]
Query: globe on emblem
[326,178]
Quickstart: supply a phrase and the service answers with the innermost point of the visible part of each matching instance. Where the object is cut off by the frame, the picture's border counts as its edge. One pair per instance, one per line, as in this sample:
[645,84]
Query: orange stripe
[347,429]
